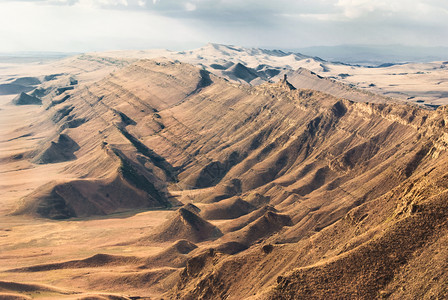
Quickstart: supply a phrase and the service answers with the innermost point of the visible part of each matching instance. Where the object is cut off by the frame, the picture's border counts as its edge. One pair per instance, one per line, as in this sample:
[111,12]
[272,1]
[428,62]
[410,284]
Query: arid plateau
[222,173]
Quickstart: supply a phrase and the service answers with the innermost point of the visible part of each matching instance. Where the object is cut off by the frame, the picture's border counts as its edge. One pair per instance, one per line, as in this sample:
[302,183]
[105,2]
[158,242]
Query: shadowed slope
[174,256]
[14,286]
[98,260]
[269,223]
[185,225]
[227,209]
[25,99]
[58,151]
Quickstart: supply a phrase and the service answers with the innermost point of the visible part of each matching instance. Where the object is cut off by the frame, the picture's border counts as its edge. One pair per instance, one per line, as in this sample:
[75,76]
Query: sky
[98,25]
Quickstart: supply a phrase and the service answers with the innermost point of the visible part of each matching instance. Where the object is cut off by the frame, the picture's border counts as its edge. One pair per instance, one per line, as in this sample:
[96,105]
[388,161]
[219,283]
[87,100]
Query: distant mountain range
[366,55]
[304,69]
[376,55]
[32,56]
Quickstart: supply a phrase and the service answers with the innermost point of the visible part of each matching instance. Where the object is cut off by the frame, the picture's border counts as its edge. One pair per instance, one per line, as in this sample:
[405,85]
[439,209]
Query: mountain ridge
[281,186]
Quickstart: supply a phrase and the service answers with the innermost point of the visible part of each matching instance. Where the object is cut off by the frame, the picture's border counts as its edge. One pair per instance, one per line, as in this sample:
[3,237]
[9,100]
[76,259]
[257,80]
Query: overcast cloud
[89,25]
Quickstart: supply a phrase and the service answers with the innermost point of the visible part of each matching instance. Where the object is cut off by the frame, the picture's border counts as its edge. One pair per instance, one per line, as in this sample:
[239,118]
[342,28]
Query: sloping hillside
[298,193]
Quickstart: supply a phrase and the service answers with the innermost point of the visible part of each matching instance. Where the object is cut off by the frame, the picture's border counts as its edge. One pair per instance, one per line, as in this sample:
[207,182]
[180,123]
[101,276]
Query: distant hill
[24,57]
[376,55]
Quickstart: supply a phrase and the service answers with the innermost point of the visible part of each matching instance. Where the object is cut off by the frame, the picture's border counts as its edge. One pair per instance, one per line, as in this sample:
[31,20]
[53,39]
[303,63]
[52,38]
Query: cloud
[190,6]
[354,9]
[280,23]
[82,28]
[404,9]
[268,11]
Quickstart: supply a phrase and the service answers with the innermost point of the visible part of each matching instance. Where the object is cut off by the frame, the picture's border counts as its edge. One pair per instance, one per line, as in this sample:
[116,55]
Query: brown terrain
[130,178]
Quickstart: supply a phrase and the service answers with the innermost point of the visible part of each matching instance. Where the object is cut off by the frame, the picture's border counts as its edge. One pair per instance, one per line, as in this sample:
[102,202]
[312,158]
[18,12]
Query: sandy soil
[30,241]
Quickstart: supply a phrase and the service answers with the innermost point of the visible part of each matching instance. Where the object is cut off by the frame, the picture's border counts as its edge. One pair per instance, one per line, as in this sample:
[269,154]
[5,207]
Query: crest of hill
[245,220]
[27,81]
[174,256]
[193,208]
[82,198]
[239,71]
[11,290]
[58,151]
[227,209]
[185,225]
[97,260]
[25,99]
[262,227]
